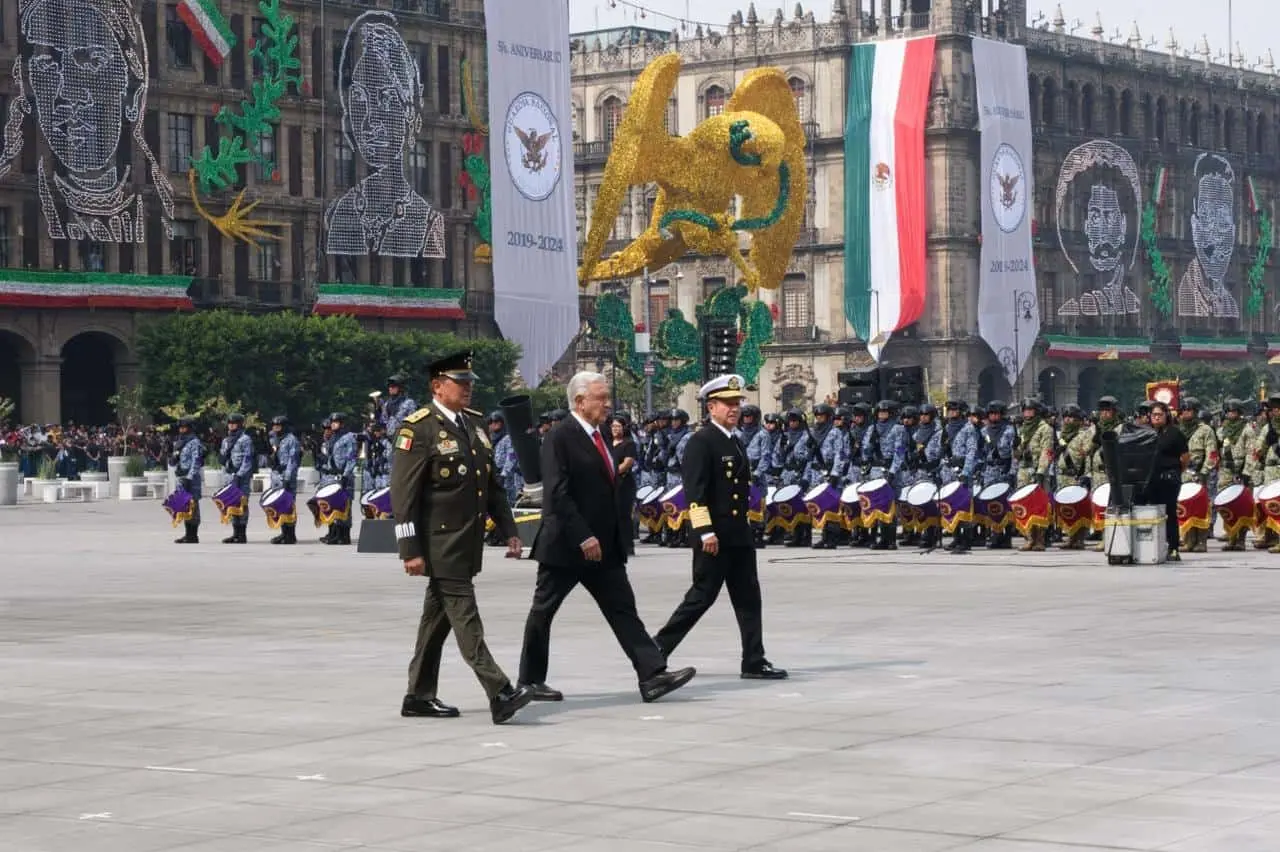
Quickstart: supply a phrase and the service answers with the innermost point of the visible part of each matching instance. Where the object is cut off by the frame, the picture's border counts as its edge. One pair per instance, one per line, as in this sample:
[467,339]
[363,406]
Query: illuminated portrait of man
[1203,289]
[1112,214]
[381,117]
[82,70]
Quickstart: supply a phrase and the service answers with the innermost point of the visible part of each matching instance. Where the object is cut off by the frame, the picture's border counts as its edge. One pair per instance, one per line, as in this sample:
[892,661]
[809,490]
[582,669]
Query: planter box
[156,478]
[132,488]
[115,470]
[10,482]
[101,482]
[214,479]
[308,479]
[47,489]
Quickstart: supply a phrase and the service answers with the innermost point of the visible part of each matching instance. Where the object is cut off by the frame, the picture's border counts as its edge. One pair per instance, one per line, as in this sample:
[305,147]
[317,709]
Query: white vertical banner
[535,257]
[1008,305]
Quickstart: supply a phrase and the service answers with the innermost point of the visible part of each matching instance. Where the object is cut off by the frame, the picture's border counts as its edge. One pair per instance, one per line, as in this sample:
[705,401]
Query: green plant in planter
[134,467]
[48,469]
[308,459]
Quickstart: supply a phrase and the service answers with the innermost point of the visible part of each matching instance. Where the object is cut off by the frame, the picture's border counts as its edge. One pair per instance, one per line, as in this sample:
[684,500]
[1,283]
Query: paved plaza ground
[245,699]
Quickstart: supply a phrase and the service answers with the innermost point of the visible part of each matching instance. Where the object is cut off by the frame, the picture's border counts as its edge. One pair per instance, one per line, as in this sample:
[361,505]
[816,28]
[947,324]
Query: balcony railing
[592,152]
[478,303]
[793,334]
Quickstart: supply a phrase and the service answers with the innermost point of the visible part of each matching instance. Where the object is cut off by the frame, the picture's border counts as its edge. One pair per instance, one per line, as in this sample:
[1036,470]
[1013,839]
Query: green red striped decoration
[20,288]
[209,27]
[372,300]
[1096,348]
[1215,348]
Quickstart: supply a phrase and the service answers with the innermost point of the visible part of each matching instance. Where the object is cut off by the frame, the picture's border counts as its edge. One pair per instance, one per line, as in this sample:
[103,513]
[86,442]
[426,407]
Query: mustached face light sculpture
[753,152]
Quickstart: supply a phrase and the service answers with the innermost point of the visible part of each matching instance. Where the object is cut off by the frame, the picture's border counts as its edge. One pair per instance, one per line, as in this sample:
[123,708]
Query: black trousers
[1163,491]
[611,589]
[734,567]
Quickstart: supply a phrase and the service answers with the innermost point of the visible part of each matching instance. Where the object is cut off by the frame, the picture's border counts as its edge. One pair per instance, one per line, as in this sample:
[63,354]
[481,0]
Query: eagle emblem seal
[1008,188]
[881,175]
[532,146]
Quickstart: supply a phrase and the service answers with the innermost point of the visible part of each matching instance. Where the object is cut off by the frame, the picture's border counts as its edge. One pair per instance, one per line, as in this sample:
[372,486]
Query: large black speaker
[860,376]
[903,385]
[854,394]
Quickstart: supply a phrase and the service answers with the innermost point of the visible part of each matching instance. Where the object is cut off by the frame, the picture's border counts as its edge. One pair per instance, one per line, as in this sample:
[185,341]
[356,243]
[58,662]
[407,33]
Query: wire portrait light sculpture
[82,70]
[1203,292]
[1110,176]
[381,117]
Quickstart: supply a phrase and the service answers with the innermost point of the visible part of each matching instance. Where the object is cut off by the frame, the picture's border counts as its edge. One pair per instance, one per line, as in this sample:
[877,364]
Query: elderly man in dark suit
[583,539]
[717,484]
[443,483]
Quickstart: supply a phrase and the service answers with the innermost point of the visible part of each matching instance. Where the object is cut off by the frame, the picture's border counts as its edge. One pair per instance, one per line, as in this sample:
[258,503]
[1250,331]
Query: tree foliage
[1211,383]
[303,366]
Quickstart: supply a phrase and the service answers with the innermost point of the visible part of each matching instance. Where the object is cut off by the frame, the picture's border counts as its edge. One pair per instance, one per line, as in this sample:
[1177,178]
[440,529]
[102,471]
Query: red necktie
[608,460]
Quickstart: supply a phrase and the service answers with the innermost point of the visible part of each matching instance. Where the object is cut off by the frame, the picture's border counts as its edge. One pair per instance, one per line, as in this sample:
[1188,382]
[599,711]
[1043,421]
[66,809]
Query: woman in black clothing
[1172,455]
[623,451]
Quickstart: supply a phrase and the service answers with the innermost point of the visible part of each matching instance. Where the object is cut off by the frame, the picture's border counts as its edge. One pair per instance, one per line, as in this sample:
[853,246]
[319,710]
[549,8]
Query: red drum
[1235,504]
[850,507]
[1032,508]
[1268,497]
[955,505]
[1194,509]
[675,507]
[823,505]
[1101,497]
[992,507]
[922,498]
[1074,509]
[878,502]
[788,510]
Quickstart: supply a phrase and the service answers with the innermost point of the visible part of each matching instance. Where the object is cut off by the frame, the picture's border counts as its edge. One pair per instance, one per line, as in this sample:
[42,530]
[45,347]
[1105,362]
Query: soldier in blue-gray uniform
[396,405]
[819,466]
[188,467]
[884,453]
[760,450]
[286,456]
[952,454]
[342,466]
[377,459]
[997,463]
[835,455]
[748,425]
[791,457]
[504,457]
[237,457]
[921,426]
[677,440]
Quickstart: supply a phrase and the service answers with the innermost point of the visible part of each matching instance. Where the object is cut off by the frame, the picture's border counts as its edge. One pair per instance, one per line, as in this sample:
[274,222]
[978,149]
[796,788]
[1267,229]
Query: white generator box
[1149,544]
[1117,537]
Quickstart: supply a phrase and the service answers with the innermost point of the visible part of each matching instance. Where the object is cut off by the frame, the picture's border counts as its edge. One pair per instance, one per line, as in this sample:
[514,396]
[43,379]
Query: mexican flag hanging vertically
[885,187]
[210,28]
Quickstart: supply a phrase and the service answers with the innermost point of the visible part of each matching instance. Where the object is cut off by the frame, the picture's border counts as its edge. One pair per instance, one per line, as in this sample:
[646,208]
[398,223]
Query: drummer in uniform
[884,451]
[1268,450]
[1035,457]
[1233,438]
[377,459]
[717,480]
[237,459]
[188,466]
[1203,445]
[342,466]
[997,464]
[1075,449]
[1254,473]
[677,441]
[790,461]
[285,459]
[952,452]
[397,405]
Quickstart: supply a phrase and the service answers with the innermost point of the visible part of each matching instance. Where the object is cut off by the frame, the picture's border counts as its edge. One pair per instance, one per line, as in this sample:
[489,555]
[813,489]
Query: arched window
[1033,89]
[714,100]
[793,394]
[1087,110]
[1148,118]
[1260,134]
[611,116]
[1126,113]
[1049,104]
[1162,120]
[1229,130]
[798,89]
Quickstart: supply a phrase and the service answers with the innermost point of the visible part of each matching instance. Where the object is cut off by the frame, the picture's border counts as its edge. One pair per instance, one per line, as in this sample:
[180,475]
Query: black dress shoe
[664,683]
[432,708]
[508,702]
[542,692]
[764,671]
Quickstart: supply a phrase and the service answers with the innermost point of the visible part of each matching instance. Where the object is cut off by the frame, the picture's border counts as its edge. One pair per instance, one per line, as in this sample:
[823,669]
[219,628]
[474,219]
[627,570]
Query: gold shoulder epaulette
[473,412]
[417,415]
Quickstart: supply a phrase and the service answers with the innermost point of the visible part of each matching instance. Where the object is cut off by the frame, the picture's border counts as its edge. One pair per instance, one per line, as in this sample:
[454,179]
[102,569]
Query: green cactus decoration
[1257,288]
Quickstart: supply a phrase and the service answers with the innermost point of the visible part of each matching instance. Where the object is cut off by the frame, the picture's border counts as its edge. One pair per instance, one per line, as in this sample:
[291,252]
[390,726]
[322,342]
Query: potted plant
[133,485]
[46,484]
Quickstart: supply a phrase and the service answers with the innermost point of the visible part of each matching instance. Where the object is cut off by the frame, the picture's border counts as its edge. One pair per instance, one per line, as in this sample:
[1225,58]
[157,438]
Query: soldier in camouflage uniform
[998,464]
[1075,448]
[1267,449]
[1203,446]
[1035,457]
[884,452]
[1234,441]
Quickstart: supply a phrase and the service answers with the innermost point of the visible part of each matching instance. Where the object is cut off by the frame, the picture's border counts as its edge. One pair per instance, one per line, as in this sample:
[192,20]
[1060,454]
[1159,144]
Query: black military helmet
[188,422]
[749,411]
[397,379]
[544,418]
[1073,410]
[1234,405]
[930,409]
[338,417]
[910,411]
[795,414]
[1105,402]
[1273,401]
[861,408]
[679,414]
[1189,403]
[844,412]
[236,418]
[558,415]
[772,417]
[823,408]
[1143,407]
[1032,404]
[496,417]
[997,405]
[663,414]
[280,420]
[885,405]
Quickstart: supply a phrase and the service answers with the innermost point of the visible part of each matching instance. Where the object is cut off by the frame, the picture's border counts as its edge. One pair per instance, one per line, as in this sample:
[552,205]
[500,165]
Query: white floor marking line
[824,816]
[318,777]
[103,815]
[171,769]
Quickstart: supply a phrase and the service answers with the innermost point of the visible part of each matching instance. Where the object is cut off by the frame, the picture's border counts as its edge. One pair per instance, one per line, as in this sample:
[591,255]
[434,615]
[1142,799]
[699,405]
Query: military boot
[1076,541]
[962,542]
[911,539]
[191,536]
[932,538]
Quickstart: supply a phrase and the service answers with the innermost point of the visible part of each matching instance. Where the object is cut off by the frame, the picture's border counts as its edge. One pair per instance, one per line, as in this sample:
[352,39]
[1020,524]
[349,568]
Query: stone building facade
[1109,118]
[61,363]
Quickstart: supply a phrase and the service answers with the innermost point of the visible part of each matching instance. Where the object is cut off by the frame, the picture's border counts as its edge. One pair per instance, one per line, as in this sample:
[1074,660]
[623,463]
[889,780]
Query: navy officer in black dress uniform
[717,483]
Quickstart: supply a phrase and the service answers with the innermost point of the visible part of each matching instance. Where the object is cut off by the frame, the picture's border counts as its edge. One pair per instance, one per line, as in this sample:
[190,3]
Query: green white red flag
[210,28]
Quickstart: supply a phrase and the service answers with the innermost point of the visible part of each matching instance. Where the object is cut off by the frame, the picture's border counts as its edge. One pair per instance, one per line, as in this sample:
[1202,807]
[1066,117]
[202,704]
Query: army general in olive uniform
[443,484]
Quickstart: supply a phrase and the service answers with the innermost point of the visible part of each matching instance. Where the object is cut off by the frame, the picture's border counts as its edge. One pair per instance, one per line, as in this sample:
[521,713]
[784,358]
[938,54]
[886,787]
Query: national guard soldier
[913,466]
[998,464]
[748,424]
[1109,420]
[504,457]
[820,462]
[443,484]
[790,461]
[760,450]
[1035,456]
[952,451]
[188,467]
[677,440]
[237,459]
[835,449]
[1142,413]
[1267,448]
[377,460]
[717,480]
[1234,441]
[884,452]
[1203,446]
[342,466]
[1075,447]
[285,459]
[397,405]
